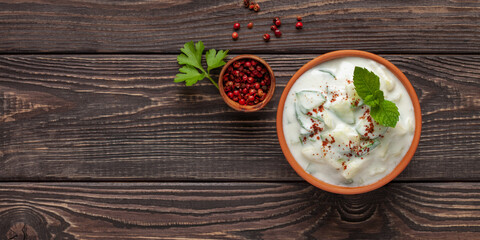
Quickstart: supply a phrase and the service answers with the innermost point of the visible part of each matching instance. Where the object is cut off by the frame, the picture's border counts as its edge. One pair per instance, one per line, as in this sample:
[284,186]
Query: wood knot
[359,208]
[22,223]
[21,231]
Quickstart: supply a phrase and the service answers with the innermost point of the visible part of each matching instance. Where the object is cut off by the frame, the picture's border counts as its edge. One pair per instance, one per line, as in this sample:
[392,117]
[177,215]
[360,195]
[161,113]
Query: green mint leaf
[367,85]
[365,82]
[214,59]
[375,99]
[379,96]
[386,113]
[189,75]
[190,55]
[371,101]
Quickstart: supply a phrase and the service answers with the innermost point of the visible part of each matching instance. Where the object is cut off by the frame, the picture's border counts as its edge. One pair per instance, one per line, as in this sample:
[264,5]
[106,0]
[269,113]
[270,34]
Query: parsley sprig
[367,85]
[191,58]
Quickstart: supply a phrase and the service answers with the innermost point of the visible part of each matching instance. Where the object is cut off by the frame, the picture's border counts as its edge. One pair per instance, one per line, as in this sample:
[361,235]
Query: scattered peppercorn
[250,25]
[299,25]
[256,8]
[275,19]
[246,3]
[273,28]
[278,33]
[236,26]
[299,18]
[235,35]
[278,23]
[266,37]
[252,5]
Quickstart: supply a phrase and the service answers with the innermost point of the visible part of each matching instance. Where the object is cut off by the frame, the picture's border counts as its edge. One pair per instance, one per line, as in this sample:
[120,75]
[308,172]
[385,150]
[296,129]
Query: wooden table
[98,142]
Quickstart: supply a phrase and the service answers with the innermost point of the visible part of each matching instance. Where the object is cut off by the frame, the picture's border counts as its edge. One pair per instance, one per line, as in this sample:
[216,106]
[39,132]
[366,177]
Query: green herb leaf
[365,82]
[189,75]
[199,47]
[367,85]
[192,55]
[375,99]
[214,59]
[371,101]
[386,114]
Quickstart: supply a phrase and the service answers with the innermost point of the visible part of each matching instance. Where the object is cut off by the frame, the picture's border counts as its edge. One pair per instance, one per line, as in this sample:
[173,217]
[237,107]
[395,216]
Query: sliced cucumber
[308,100]
[363,127]
[328,72]
[352,169]
[327,118]
[306,122]
[341,107]
[366,146]
[310,153]
[304,138]
[348,181]
[353,98]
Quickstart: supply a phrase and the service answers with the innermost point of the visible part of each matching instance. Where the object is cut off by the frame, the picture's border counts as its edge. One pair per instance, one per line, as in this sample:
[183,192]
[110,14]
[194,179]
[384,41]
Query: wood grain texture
[163,26]
[237,211]
[96,117]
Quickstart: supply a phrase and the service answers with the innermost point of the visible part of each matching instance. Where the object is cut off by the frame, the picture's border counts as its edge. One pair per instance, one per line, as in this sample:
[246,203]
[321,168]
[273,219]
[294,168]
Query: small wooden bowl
[246,108]
[400,166]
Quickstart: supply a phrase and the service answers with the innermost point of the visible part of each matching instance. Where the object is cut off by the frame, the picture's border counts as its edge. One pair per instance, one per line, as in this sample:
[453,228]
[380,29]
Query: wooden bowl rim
[246,108]
[401,165]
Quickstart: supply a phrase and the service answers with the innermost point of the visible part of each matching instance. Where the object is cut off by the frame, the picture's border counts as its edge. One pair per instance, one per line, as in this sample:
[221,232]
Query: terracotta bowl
[341,189]
[246,108]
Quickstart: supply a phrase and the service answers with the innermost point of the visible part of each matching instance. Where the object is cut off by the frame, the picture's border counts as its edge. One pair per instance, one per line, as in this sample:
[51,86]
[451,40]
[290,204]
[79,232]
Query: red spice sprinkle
[356,102]
[344,166]
[334,97]
[369,128]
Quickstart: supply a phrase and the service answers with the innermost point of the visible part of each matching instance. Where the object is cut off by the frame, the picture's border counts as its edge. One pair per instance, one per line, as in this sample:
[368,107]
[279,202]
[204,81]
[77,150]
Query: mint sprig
[367,85]
[191,58]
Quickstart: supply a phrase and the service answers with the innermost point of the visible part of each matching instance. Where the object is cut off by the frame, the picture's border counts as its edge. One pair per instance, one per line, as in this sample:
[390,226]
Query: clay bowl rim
[247,108]
[401,165]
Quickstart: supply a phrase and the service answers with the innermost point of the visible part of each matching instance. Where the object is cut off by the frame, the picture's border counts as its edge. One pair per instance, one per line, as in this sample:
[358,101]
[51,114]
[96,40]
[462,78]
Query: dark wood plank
[122,117]
[163,26]
[237,211]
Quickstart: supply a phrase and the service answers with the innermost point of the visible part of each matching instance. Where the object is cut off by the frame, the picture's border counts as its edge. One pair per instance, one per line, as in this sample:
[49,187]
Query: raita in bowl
[328,134]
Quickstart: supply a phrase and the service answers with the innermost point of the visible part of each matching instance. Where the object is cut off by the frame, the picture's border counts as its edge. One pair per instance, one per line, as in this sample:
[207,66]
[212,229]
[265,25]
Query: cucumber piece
[310,153]
[327,119]
[366,146]
[328,72]
[342,109]
[348,181]
[363,127]
[352,169]
[306,122]
[353,98]
[309,100]
[304,138]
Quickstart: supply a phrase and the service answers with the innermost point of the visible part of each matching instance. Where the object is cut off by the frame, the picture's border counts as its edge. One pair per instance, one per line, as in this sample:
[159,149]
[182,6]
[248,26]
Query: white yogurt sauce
[327,128]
